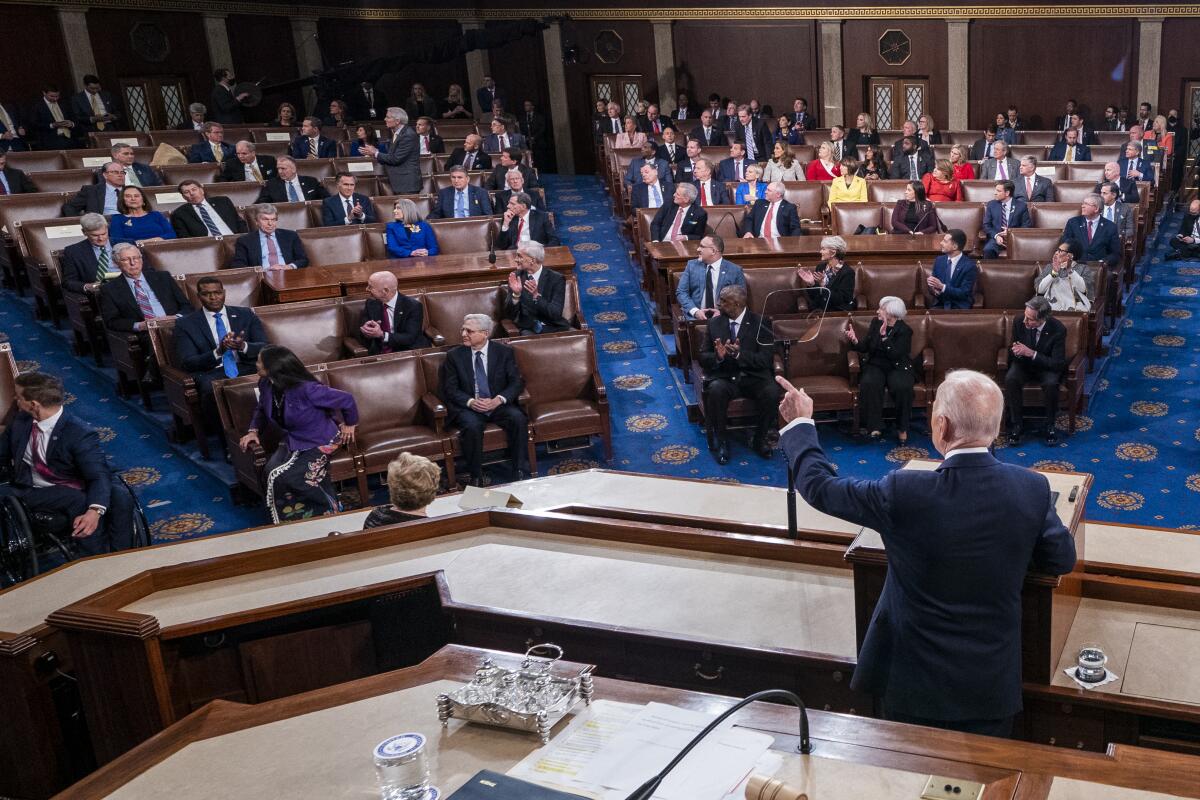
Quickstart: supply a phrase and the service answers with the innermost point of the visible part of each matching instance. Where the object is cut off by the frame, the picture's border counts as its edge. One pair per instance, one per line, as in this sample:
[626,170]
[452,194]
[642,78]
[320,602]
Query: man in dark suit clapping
[944,645]
[536,295]
[1037,353]
[772,216]
[347,207]
[522,223]
[390,322]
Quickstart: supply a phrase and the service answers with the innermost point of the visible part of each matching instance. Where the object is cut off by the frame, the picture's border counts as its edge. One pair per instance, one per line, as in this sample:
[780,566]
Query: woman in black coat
[915,214]
[886,365]
[833,273]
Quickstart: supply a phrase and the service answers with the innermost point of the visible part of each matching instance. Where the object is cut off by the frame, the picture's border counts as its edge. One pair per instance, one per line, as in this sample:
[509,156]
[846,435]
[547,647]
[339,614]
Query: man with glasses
[127,303]
[98,198]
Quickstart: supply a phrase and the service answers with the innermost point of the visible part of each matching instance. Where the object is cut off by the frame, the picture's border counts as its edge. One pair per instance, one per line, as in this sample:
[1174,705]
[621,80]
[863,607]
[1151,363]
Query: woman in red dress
[960,159]
[823,167]
[941,184]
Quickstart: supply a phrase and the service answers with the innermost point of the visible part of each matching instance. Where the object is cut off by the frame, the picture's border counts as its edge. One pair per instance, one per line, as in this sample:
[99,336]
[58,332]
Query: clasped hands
[484,405]
[935,285]
[371,329]
[1023,350]
[231,342]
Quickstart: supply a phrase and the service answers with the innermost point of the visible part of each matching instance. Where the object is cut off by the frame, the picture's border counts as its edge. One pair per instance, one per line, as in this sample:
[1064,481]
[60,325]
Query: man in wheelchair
[52,462]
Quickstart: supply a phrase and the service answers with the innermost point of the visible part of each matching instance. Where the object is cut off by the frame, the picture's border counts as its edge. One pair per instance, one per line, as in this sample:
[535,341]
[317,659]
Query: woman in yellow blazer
[848,187]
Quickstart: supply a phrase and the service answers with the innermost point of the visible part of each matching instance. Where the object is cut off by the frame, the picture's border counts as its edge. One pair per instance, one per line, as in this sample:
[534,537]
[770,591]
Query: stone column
[479,66]
[829,37]
[958,87]
[308,54]
[80,58]
[556,79]
[217,34]
[664,62]
[1149,59]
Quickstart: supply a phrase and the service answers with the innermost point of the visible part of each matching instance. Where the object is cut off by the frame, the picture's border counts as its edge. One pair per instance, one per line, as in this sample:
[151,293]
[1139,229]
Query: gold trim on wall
[649,14]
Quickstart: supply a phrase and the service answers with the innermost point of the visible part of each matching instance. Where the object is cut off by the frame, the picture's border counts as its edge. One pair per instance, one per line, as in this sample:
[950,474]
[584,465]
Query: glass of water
[401,767]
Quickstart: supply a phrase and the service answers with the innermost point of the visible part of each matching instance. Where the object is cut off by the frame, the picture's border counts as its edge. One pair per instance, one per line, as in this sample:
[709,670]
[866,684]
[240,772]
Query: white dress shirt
[211,318]
[45,429]
[222,228]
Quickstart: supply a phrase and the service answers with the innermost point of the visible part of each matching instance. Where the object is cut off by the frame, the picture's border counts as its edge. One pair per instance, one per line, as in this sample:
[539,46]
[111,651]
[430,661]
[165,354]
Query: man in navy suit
[53,125]
[671,150]
[523,223]
[310,143]
[536,295]
[428,141]
[286,186]
[214,143]
[52,461]
[1133,166]
[952,284]
[145,175]
[248,165]
[12,130]
[127,302]
[1037,353]
[711,191]
[510,159]
[500,138]
[1069,148]
[1031,187]
[800,116]
[480,384]
[270,246]
[705,277]
[471,155]
[753,134]
[653,124]
[682,218]
[707,131]
[772,216]
[347,207]
[734,167]
[461,199]
[100,197]
[217,342]
[633,175]
[1001,214]
[653,190]
[487,94]
[1098,238]
[944,644]
[1127,186]
[94,108]
[90,260]
[389,321]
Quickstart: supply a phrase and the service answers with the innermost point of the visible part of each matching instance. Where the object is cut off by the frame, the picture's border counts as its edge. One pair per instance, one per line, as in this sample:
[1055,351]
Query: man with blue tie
[952,284]
[1096,236]
[461,199]
[1001,214]
[347,207]
[652,190]
[800,116]
[270,247]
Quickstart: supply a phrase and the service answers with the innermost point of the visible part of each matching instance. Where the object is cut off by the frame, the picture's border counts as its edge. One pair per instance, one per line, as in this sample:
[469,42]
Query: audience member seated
[136,221]
[500,139]
[428,140]
[682,218]
[55,130]
[213,149]
[649,155]
[287,186]
[1115,211]
[365,134]
[752,133]
[863,132]
[52,461]
[886,366]
[773,216]
[927,132]
[630,136]
[314,420]
[983,149]
[408,234]
[734,168]
[338,116]
[420,104]
[536,295]
[941,185]
[848,187]
[412,483]
[1084,135]
[510,159]
[783,165]
[708,133]
[1012,124]
[841,148]
[709,190]
[909,131]
[1097,237]
[1062,282]
[522,223]
[671,151]
[1069,148]
[801,117]
[286,116]
[652,124]
[1038,354]
[1134,166]
[136,173]
[347,207]
[1001,166]
[823,167]
[195,121]
[833,274]
[1128,187]
[480,384]
[516,184]
[651,191]
[454,105]
[248,165]
[1031,187]
[1005,212]
[216,342]
[751,190]
[915,214]
[910,161]
[705,277]
[98,198]
[611,122]
[737,358]
[784,132]
[389,321]
[91,260]
[471,155]
[204,216]
[128,301]
[959,161]
[310,143]
[873,166]
[1186,243]
[461,199]
[952,283]
[13,180]
[269,246]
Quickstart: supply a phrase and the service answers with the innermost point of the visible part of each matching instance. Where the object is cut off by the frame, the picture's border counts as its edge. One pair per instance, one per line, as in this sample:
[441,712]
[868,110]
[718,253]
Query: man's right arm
[1054,551]
[683,293]
[860,502]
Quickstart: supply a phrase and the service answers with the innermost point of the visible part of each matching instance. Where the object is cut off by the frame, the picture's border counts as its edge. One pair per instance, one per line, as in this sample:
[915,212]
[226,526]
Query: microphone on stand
[647,789]
[491,237]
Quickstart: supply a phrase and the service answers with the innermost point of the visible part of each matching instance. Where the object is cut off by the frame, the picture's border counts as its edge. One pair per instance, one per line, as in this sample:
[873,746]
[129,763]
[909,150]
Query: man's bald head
[382,286]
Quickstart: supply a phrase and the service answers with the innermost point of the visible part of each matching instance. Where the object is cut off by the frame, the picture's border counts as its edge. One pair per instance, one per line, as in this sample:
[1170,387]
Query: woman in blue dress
[365,134]
[135,221]
[410,235]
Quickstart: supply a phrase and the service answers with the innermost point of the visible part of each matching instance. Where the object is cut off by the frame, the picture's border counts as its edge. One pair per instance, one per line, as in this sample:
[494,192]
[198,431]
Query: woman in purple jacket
[300,411]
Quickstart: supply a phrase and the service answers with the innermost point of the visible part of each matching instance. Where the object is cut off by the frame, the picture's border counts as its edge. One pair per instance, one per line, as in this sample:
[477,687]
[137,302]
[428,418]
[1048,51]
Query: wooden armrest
[435,336]
[599,392]
[354,347]
[1076,369]
[927,365]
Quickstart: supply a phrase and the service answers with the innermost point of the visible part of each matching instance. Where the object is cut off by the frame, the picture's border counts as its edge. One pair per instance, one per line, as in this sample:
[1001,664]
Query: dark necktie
[469,161]
[293,195]
[912,167]
[207,219]
[733,331]
[349,211]
[482,390]
[385,325]
[709,301]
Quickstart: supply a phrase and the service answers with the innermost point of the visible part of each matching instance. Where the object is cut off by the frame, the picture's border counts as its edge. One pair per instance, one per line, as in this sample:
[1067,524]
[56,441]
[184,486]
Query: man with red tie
[429,142]
[772,216]
[680,219]
[1097,237]
[653,123]
[712,192]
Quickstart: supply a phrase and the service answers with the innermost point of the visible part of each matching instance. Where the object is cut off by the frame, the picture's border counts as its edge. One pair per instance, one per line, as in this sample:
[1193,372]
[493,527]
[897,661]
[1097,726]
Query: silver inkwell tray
[528,698]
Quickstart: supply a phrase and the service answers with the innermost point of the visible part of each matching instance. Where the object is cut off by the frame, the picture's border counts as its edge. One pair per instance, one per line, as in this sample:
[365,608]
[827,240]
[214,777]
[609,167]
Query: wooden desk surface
[787,250]
[318,745]
[430,272]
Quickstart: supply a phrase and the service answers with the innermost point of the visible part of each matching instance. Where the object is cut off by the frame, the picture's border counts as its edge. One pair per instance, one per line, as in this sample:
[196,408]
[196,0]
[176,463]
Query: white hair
[894,307]
[92,222]
[973,404]
[689,191]
[121,248]
[481,321]
[834,243]
[398,114]
[534,250]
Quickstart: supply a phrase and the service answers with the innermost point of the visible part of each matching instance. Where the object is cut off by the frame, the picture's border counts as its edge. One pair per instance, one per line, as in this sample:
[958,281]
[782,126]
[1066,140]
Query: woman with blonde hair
[823,167]
[863,131]
[751,189]
[960,160]
[412,483]
[941,185]
[783,165]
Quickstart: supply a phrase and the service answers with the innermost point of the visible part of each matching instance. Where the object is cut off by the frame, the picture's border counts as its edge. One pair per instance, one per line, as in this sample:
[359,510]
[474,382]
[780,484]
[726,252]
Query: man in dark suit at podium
[1037,353]
[944,644]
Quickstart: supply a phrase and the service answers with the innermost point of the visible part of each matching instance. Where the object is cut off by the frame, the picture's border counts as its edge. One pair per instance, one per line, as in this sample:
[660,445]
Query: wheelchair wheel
[141,526]
[18,554]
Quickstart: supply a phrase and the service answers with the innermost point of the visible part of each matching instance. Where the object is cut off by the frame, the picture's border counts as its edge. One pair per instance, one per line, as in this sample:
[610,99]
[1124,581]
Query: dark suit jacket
[1105,244]
[547,309]
[361,108]
[805,119]
[79,266]
[436,145]
[541,229]
[201,153]
[760,134]
[491,142]
[120,310]
[224,108]
[639,196]
[248,252]
[73,453]
[144,172]
[665,155]
[532,129]
[497,179]
[633,174]
[235,170]
[727,170]
[1043,189]
[1059,152]
[458,376]
[841,290]
[81,111]
[1140,164]
[901,169]
[326,147]
[275,190]
[644,125]
[1188,225]
[484,98]
[944,641]
[693,225]
[993,216]
[49,138]
[194,343]
[960,292]
[88,200]
[18,181]
[979,149]
[333,210]
[459,155]
[187,222]
[893,352]
[402,161]
[479,203]
[715,138]
[898,147]
[787,218]
[1050,353]
[718,195]
[754,361]
[927,220]
[18,142]
[408,325]
[1128,191]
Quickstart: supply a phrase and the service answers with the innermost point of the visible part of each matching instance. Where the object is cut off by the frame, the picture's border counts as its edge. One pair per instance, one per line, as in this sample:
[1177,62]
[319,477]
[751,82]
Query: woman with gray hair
[833,274]
[409,235]
[887,364]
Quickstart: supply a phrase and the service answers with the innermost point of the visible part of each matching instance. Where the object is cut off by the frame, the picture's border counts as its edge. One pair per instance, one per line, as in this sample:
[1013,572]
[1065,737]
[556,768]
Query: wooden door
[624,90]
[894,100]
[155,102]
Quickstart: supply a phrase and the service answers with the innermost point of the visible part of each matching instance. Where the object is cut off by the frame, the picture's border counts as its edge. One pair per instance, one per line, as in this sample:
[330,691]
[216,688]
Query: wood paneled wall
[29,58]
[263,50]
[1179,63]
[861,61]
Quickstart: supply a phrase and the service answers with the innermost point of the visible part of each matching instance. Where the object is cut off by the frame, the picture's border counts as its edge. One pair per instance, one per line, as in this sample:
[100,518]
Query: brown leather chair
[1086,171]
[63,180]
[742,412]
[442,180]
[1005,285]
[1040,138]
[386,203]
[456,128]
[182,256]
[375,239]
[364,184]
[312,329]
[1032,244]
[966,340]
[39,243]
[1071,396]
[18,208]
[243,286]
[275,149]
[961,137]
[240,193]
[1052,215]
[873,282]
[107,139]
[358,165]
[343,244]
[294,216]
[165,199]
[809,198]
[885,191]
[181,139]
[444,311]
[726,221]
[567,398]
[847,217]
[1103,153]
[319,168]
[173,174]
[572,310]
[276,135]
[979,191]
[920,353]
[397,413]
[8,385]
[821,365]
[457,236]
[1074,191]
[1038,151]
[37,160]
[967,217]
[928,300]
[183,399]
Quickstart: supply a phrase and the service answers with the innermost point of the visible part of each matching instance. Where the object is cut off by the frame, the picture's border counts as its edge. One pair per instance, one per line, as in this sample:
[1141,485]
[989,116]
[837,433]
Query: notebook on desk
[488,785]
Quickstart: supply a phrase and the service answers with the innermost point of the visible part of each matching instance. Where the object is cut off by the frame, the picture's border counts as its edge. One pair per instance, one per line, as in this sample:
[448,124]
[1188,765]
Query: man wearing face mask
[226,106]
